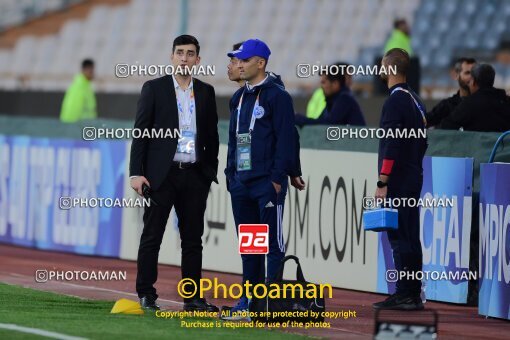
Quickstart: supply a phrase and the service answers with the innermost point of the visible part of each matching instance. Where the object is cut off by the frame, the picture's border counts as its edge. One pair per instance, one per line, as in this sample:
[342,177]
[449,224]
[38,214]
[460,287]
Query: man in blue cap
[296,179]
[261,151]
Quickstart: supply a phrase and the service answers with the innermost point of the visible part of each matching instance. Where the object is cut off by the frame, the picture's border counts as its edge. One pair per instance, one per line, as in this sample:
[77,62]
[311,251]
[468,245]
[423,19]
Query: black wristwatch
[381,184]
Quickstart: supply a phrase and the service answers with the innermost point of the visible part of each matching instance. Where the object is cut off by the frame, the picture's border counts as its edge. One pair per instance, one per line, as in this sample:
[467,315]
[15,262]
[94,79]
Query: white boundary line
[92,288]
[132,294]
[37,331]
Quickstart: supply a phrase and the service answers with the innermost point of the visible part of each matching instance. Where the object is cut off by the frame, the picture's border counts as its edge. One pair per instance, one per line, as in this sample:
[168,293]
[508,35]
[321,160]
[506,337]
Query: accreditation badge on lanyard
[186,144]
[243,149]
[415,103]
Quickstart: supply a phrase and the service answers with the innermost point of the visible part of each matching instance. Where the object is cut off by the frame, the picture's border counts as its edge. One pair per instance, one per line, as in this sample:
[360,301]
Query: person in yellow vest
[316,104]
[400,37]
[80,101]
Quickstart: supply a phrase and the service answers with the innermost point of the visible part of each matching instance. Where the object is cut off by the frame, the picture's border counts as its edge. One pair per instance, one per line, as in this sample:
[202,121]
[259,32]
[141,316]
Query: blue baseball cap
[251,48]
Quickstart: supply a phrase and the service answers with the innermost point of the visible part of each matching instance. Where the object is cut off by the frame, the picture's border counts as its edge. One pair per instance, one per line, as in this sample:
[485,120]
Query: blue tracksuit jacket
[273,138]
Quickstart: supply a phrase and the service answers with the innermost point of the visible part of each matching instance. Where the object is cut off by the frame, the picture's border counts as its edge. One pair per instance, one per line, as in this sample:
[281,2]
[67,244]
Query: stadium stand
[137,33]
[354,30]
[447,29]
[15,12]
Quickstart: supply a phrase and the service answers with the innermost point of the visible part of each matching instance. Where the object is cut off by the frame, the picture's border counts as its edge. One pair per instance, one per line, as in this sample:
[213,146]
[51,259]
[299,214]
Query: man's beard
[463,85]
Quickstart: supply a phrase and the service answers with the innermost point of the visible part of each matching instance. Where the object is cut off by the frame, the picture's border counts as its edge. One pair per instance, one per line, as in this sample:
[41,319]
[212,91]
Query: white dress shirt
[183,97]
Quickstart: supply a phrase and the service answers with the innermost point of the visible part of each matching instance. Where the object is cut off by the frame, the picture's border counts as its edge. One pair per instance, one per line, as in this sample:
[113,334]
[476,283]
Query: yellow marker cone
[126,306]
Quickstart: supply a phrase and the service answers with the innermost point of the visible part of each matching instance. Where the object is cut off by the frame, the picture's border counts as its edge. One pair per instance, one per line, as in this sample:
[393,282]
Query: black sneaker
[400,302]
[200,305]
[149,303]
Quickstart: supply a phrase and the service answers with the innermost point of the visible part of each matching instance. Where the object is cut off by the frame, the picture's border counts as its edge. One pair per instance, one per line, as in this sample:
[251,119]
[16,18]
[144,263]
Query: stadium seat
[350,31]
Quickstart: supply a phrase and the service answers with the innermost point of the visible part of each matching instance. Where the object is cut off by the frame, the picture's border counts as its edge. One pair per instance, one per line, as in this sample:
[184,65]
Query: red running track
[18,266]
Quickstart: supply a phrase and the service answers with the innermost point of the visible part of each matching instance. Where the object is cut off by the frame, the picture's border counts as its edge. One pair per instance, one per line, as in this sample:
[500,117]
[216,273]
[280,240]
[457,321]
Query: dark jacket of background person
[488,109]
[443,109]
[341,109]
[400,112]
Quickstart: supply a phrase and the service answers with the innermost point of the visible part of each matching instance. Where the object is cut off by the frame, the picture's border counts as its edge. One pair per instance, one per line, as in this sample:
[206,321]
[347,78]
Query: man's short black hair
[458,63]
[483,75]
[186,39]
[337,72]
[86,63]
[235,47]
[399,58]
[398,22]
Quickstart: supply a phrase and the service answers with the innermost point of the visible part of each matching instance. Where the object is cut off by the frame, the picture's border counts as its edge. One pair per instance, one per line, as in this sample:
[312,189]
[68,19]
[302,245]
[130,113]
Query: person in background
[233,67]
[341,106]
[445,107]
[486,109]
[317,102]
[400,37]
[401,176]
[79,100]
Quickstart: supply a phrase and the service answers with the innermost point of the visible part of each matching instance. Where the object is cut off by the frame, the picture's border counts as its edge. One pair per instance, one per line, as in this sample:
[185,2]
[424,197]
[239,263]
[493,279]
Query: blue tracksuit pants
[258,203]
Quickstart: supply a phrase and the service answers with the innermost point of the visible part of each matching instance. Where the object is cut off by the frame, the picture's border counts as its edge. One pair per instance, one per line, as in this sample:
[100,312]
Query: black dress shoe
[149,303]
[400,302]
[199,305]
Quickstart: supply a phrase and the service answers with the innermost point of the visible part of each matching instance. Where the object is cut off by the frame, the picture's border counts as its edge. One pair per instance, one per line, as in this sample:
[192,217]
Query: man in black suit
[179,171]
[487,109]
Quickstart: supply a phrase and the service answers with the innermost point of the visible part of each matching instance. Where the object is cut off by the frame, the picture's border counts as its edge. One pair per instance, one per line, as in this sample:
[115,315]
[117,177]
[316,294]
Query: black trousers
[187,191]
[405,242]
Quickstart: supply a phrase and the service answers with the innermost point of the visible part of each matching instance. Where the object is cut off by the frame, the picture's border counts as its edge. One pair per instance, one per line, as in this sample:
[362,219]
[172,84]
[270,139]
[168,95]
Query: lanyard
[182,116]
[415,102]
[253,117]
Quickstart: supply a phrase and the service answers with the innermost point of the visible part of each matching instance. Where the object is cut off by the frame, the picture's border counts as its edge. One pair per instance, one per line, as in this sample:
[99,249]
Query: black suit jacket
[488,109]
[157,108]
